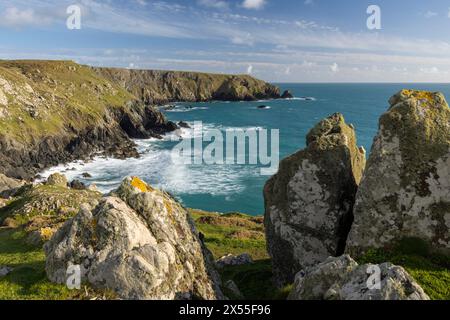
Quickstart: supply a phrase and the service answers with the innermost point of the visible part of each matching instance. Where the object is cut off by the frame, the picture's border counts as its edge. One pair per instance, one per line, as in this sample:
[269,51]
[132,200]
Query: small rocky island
[330,218]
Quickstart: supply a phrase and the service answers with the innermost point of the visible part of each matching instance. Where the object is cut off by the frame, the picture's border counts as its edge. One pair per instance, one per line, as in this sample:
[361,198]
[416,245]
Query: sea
[239,188]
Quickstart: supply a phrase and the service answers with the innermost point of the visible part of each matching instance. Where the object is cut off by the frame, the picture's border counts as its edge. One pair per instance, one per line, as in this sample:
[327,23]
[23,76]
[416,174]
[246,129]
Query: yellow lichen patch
[46,233]
[141,185]
[419,95]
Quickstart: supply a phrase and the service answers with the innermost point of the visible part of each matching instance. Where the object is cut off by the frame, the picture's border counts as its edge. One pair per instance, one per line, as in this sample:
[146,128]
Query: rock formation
[405,191]
[343,279]
[138,242]
[309,201]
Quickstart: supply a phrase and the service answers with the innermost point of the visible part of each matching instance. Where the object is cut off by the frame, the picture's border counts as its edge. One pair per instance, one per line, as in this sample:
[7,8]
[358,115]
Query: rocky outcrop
[405,191]
[309,201]
[58,180]
[161,87]
[287,95]
[138,242]
[343,279]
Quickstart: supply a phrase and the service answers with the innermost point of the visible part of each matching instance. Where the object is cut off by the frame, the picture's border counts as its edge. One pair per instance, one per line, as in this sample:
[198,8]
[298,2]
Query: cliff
[57,111]
[159,87]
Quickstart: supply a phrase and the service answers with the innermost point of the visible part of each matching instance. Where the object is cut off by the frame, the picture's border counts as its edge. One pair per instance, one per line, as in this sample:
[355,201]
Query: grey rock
[309,202]
[234,260]
[342,278]
[4,271]
[405,192]
[138,242]
[9,186]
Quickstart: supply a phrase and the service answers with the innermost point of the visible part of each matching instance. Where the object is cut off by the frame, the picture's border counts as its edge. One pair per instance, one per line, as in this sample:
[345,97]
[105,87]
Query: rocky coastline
[53,112]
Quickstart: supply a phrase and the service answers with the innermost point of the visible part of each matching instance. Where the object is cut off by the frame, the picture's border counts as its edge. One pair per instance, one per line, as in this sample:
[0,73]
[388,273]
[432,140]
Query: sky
[274,40]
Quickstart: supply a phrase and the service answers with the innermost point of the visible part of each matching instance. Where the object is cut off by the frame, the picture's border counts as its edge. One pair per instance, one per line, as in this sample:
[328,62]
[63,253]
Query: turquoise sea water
[226,188]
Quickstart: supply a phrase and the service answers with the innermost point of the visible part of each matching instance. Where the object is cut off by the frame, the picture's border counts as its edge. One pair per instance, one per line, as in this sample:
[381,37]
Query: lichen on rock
[342,278]
[405,191]
[309,201]
[133,244]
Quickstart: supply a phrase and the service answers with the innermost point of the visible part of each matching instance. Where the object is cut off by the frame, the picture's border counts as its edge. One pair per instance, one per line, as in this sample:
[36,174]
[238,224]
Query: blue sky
[275,40]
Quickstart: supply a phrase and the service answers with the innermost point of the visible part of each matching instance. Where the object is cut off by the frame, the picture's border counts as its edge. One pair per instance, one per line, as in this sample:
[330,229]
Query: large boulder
[309,201]
[139,242]
[405,191]
[342,278]
[57,179]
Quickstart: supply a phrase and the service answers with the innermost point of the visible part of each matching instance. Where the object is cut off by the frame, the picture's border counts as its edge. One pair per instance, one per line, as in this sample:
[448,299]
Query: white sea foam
[157,167]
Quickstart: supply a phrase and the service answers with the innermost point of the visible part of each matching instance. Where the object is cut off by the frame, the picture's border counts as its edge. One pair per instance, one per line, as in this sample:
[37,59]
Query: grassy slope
[63,92]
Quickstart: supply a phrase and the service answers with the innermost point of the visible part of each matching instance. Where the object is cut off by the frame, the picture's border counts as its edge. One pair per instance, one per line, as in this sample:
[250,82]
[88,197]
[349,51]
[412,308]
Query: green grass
[255,281]
[431,270]
[217,237]
[28,280]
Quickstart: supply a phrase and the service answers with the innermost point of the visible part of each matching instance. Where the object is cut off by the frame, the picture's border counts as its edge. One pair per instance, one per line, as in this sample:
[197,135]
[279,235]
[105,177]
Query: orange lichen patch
[419,95]
[141,185]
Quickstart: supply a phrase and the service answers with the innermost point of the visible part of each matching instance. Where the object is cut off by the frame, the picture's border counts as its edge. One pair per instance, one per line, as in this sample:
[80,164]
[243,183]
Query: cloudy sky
[275,40]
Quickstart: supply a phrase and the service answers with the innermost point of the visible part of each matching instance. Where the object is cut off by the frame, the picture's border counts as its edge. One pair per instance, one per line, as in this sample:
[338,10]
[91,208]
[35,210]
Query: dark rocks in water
[263,107]
[77,185]
[183,124]
[287,95]
[309,201]
[86,175]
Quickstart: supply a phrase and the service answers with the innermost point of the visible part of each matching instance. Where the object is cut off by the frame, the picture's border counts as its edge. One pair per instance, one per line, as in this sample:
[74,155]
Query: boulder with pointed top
[309,201]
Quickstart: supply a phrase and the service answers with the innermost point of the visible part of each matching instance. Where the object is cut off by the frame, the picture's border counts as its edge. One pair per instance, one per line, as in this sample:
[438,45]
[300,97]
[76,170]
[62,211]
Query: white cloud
[15,17]
[216,4]
[254,4]
[334,67]
[430,14]
[432,70]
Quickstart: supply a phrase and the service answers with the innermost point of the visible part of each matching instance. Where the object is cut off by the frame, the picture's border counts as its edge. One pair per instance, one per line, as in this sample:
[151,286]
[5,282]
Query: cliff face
[158,87]
[57,111]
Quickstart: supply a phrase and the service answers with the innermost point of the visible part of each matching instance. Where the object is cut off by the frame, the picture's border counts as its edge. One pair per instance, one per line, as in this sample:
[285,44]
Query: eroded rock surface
[405,191]
[138,242]
[342,278]
[309,201]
